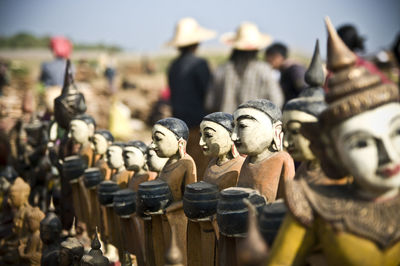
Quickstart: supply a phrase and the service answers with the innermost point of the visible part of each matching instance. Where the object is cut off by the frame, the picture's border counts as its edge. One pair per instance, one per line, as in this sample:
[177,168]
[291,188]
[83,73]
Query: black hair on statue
[265,106]
[88,119]
[106,134]
[137,144]
[221,118]
[309,105]
[175,125]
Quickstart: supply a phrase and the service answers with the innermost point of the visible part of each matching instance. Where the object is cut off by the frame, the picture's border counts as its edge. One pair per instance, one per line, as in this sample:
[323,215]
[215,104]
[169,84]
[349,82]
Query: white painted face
[134,159]
[215,140]
[100,144]
[165,143]
[154,162]
[368,145]
[114,157]
[79,131]
[294,142]
[253,132]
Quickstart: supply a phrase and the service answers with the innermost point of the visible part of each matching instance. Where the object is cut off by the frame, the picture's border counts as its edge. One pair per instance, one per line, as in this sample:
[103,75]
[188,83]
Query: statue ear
[182,147]
[278,136]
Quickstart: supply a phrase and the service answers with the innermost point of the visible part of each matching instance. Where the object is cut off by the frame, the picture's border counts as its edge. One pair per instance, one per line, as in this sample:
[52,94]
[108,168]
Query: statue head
[102,139]
[71,252]
[135,155]
[361,126]
[19,193]
[70,103]
[50,226]
[295,113]
[115,158]
[34,216]
[80,129]
[154,162]
[257,127]
[169,137]
[215,132]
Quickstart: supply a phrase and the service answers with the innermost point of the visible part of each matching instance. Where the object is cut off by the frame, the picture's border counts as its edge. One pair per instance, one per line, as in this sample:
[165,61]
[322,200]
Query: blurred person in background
[52,73]
[189,77]
[291,73]
[355,42]
[243,77]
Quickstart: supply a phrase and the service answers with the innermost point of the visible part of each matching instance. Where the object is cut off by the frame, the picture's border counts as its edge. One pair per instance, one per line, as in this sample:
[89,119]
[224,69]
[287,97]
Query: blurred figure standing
[292,73]
[52,73]
[243,77]
[189,77]
[350,36]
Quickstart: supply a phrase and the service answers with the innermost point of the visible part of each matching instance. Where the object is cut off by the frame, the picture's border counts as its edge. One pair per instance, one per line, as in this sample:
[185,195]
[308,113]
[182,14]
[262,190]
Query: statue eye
[208,135]
[361,144]
[295,131]
[242,125]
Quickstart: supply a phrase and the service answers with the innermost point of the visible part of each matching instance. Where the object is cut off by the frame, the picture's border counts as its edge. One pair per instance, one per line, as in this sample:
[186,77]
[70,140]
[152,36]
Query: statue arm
[292,244]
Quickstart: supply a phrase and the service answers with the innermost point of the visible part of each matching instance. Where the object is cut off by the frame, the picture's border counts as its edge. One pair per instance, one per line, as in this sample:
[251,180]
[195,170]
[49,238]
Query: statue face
[114,157]
[154,162]
[79,131]
[134,159]
[164,142]
[253,131]
[100,144]
[368,145]
[17,198]
[215,140]
[294,142]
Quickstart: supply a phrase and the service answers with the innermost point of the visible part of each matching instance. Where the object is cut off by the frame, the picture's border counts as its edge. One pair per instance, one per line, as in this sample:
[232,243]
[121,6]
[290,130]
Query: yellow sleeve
[292,244]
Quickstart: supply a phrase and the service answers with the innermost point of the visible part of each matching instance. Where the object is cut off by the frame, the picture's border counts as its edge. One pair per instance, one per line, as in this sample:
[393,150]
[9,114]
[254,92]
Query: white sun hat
[188,31]
[247,37]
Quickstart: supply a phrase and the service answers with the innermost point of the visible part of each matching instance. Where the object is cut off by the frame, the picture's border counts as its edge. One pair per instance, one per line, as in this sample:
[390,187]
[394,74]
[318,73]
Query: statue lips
[389,172]
[238,143]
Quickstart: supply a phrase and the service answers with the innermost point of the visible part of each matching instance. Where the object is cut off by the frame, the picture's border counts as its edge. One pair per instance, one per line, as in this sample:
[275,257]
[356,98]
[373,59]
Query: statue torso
[225,175]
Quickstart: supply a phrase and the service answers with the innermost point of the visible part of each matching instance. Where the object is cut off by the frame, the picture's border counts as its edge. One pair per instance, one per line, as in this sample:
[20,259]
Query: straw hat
[188,31]
[246,37]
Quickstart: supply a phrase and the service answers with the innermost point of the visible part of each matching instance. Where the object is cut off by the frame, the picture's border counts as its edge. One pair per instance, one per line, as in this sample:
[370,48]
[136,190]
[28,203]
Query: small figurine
[359,130]
[82,129]
[115,160]
[50,230]
[18,200]
[135,160]
[169,141]
[224,167]
[258,134]
[31,252]
[102,139]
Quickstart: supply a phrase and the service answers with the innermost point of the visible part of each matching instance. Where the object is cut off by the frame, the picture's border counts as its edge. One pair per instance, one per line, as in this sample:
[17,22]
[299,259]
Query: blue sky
[145,25]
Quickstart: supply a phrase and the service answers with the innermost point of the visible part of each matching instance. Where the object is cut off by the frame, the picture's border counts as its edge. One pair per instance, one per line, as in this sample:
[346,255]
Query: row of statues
[251,207]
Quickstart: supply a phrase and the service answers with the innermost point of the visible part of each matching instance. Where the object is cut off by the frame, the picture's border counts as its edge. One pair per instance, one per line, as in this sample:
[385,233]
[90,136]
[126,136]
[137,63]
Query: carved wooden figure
[31,252]
[169,141]
[258,134]
[360,135]
[50,230]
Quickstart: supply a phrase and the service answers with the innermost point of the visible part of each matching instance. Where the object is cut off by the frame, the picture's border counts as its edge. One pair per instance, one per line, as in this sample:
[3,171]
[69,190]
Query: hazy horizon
[146,25]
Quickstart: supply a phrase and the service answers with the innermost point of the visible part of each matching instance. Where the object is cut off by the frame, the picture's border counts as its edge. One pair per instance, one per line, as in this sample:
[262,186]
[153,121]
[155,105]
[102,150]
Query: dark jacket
[189,78]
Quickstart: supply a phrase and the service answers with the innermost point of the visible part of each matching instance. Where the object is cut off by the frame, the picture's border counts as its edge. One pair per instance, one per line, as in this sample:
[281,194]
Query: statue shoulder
[298,203]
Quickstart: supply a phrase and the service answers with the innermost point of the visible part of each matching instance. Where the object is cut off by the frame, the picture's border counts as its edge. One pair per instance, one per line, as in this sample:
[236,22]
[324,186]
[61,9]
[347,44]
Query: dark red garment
[368,65]
[61,47]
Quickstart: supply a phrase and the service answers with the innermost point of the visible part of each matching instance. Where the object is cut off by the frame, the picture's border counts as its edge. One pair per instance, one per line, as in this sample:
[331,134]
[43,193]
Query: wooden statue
[135,161]
[173,256]
[102,139]
[31,252]
[301,111]
[81,131]
[50,230]
[359,133]
[95,256]
[115,160]
[169,141]
[258,134]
